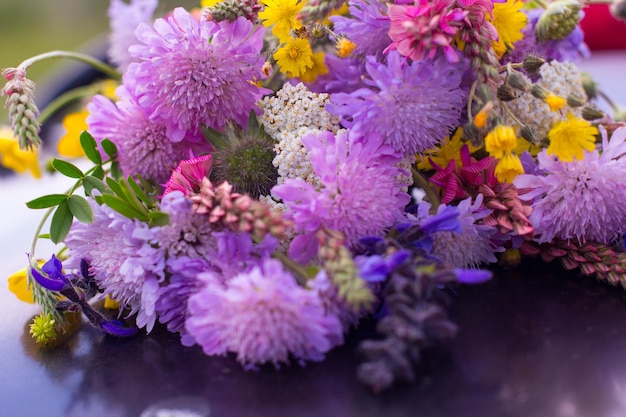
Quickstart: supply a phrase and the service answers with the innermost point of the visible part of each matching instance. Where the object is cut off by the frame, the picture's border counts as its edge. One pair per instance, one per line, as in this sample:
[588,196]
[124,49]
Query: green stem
[299,272]
[541,4]
[470,100]
[609,101]
[64,99]
[96,63]
[428,189]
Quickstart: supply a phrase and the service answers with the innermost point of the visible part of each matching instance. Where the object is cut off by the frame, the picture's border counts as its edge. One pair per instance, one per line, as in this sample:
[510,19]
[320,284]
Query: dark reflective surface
[533,342]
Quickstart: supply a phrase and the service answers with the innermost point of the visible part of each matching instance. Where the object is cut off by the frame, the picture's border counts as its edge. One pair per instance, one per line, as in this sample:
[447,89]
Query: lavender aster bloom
[123,259]
[471,246]
[367,26]
[263,316]
[193,73]
[412,106]
[344,76]
[143,145]
[580,199]
[237,252]
[360,193]
[188,233]
[124,19]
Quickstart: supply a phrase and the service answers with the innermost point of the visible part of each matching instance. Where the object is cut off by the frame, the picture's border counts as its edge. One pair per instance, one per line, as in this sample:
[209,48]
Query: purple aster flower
[193,73]
[172,299]
[580,199]
[263,316]
[188,233]
[367,26]
[412,106]
[344,76]
[123,259]
[360,193]
[124,19]
[473,244]
[237,252]
[143,145]
[572,48]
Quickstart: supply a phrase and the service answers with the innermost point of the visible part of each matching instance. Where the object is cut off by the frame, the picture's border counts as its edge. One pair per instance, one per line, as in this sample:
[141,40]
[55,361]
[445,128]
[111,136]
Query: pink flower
[188,175]
[417,31]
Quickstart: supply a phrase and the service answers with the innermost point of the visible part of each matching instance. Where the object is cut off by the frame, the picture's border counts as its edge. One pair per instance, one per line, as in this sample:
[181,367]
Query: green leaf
[46,201]
[116,172]
[139,192]
[91,182]
[66,168]
[158,218]
[61,223]
[80,209]
[98,172]
[90,147]
[109,147]
[122,207]
[115,187]
[131,198]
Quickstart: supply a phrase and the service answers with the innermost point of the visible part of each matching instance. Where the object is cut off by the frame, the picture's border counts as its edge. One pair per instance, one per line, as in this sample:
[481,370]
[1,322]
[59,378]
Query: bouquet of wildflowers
[261,176]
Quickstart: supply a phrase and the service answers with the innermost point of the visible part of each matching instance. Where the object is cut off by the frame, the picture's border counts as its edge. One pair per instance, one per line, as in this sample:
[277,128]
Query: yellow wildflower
[12,157]
[107,89]
[282,15]
[209,3]
[344,47]
[18,285]
[509,21]
[555,102]
[449,148]
[294,57]
[110,303]
[318,68]
[500,140]
[74,124]
[509,166]
[569,138]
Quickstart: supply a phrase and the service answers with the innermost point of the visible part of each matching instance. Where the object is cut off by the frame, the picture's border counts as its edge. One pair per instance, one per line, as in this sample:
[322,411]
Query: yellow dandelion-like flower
[209,3]
[555,102]
[294,57]
[42,329]
[318,68]
[344,47]
[570,138]
[509,166]
[12,157]
[509,21]
[449,148]
[282,15]
[500,140]
[74,124]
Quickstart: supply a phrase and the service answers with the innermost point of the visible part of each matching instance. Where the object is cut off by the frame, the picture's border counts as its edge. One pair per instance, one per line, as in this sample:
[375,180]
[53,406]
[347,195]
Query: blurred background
[30,27]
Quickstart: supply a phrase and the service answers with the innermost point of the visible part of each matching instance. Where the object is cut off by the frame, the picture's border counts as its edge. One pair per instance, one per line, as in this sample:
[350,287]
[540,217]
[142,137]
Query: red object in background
[602,30]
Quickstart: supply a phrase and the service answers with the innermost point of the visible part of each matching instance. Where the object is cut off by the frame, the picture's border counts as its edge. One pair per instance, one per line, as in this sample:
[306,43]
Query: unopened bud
[506,93]
[532,63]
[558,20]
[529,133]
[539,92]
[590,86]
[591,112]
[575,100]
[518,81]
[473,134]
[618,9]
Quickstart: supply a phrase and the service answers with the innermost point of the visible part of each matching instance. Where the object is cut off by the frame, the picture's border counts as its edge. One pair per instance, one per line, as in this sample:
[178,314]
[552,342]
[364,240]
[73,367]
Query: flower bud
[532,63]
[558,20]
[591,112]
[518,81]
[575,100]
[539,92]
[529,133]
[618,9]
[506,93]
[590,86]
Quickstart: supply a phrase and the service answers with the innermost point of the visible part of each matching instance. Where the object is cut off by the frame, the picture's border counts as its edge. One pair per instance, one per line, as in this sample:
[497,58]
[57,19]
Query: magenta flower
[263,316]
[360,196]
[193,73]
[420,30]
[188,175]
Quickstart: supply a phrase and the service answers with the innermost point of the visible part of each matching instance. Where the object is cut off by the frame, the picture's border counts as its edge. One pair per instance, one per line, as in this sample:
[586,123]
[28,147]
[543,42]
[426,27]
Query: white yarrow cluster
[562,79]
[292,113]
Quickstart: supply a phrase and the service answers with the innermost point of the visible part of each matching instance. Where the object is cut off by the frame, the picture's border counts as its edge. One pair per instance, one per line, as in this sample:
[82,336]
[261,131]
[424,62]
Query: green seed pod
[558,20]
